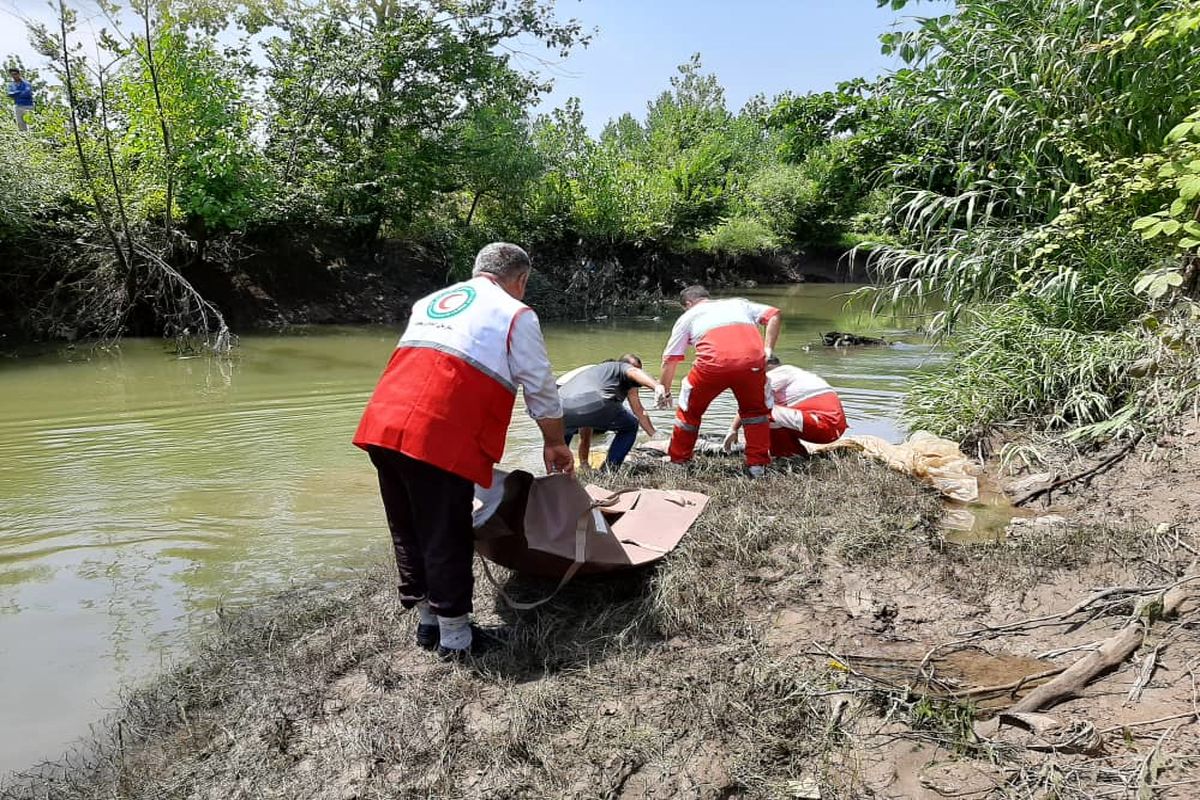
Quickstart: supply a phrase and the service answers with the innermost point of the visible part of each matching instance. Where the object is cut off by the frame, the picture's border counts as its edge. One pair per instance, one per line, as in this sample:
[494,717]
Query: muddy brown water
[140,492]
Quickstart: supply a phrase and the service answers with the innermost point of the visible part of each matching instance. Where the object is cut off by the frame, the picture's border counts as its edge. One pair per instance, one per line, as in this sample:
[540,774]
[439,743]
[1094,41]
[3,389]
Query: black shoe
[482,641]
[427,636]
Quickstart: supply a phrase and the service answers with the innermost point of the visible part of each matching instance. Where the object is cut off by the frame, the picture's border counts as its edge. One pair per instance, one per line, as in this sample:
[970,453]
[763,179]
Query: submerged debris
[842,339]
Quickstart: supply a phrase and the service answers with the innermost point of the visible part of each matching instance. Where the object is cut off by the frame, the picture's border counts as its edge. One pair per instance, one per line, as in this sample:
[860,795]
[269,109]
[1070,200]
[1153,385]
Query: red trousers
[819,420]
[700,388]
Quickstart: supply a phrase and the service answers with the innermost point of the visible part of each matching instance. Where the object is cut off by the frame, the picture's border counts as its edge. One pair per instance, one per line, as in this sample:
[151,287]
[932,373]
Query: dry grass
[664,682]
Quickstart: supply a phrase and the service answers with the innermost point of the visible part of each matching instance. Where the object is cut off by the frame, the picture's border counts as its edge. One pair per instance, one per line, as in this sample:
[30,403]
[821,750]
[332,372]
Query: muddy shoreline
[784,650]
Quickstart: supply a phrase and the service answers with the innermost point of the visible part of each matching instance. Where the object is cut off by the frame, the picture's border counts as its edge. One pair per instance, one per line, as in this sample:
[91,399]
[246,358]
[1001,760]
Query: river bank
[777,653]
[280,277]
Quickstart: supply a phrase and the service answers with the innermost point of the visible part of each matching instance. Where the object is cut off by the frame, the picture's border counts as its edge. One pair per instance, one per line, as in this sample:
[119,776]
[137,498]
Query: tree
[374,125]
[496,157]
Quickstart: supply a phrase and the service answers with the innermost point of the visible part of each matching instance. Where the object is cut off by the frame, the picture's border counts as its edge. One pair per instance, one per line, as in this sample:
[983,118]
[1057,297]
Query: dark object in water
[840,339]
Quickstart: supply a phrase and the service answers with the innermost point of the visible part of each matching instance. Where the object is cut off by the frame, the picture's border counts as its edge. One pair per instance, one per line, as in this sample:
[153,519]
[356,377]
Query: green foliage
[739,237]
[807,122]
[1033,171]
[220,180]
[375,135]
[1008,366]
[665,179]
[33,183]
[782,196]
[793,203]
[848,143]
[1178,173]
[496,158]
[1026,177]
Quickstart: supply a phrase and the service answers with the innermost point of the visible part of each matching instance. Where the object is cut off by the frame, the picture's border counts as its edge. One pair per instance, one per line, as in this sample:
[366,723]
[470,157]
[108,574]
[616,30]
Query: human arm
[673,354]
[530,367]
[771,334]
[668,375]
[635,405]
[643,378]
[555,453]
[585,445]
[770,318]
[731,437]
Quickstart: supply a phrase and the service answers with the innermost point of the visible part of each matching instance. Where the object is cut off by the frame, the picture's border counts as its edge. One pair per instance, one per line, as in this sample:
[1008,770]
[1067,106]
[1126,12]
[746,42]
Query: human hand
[731,439]
[559,459]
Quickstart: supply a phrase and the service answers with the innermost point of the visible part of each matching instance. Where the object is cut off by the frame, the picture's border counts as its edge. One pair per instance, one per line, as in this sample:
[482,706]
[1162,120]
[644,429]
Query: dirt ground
[1158,484]
[814,636]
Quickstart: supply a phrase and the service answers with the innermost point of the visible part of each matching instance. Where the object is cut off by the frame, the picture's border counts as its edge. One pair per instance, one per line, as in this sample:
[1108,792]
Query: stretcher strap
[581,532]
[611,500]
[652,548]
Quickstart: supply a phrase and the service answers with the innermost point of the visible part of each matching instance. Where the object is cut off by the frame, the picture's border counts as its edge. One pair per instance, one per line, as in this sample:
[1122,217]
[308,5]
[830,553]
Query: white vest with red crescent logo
[447,394]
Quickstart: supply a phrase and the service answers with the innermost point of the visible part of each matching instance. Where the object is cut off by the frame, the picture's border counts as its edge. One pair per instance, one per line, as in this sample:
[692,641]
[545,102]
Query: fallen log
[1111,652]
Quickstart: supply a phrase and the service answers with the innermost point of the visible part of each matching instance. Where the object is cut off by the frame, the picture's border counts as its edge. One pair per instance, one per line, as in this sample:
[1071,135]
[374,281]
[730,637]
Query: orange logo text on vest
[451,302]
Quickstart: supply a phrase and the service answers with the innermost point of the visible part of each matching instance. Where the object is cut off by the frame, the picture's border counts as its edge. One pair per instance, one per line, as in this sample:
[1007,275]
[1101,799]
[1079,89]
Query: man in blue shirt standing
[22,96]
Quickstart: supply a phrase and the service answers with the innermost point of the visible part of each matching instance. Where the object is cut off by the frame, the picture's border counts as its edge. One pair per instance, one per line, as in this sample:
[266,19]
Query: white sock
[427,615]
[456,632]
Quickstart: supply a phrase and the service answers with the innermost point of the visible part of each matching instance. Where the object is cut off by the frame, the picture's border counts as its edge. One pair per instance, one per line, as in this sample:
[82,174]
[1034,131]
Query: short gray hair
[505,261]
[693,294]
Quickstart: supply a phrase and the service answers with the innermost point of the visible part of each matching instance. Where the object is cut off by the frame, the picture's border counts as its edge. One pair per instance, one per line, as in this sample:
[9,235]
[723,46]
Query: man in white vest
[436,426]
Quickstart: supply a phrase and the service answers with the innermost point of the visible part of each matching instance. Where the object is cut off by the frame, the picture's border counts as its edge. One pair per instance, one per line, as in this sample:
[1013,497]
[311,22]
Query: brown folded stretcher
[553,527]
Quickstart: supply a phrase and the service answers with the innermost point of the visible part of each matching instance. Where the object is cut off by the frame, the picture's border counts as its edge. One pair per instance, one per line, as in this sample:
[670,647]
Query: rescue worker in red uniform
[804,407]
[436,426]
[730,354]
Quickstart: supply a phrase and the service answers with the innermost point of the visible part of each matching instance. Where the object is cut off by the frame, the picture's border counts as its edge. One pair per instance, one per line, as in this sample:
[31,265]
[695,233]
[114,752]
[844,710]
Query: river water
[141,492]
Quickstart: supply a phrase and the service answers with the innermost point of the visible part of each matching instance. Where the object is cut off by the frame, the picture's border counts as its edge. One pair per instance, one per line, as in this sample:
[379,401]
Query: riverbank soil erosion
[814,636]
[274,277]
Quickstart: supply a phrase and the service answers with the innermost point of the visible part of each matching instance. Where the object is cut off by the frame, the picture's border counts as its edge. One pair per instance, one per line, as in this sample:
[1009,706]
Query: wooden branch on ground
[1087,473]
[1191,716]
[1112,652]
[1011,688]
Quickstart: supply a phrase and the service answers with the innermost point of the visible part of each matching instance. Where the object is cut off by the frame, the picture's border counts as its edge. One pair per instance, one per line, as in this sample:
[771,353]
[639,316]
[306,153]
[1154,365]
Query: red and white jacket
[793,393]
[447,394]
[724,333]
[790,387]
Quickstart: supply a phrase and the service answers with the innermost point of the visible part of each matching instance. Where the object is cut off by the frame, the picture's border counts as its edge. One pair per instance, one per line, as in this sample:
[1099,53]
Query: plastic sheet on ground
[935,461]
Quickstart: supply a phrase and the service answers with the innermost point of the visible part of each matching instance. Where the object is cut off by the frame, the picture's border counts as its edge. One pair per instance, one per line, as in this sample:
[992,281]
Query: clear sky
[754,46]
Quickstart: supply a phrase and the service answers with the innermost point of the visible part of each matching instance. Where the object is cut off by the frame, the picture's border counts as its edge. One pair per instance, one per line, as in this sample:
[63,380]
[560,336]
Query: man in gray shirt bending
[594,398]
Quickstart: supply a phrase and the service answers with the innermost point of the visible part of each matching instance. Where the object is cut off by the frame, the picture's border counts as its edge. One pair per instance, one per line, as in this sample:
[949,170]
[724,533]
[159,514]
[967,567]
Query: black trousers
[429,514]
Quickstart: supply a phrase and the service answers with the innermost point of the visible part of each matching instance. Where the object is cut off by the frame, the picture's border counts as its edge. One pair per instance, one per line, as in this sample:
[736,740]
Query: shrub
[738,237]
